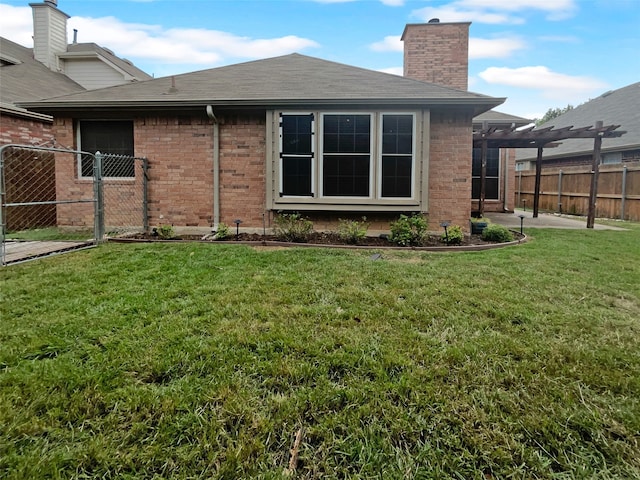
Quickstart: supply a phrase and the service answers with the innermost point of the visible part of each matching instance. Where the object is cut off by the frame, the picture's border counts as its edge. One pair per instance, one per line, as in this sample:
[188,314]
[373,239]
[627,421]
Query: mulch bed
[326,239]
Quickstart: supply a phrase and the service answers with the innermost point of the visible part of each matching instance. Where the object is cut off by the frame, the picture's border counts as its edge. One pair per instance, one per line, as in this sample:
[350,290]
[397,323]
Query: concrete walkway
[544,220]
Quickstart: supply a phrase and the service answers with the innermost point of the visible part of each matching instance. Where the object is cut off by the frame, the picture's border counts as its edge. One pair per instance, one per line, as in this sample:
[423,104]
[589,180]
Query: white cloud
[494,48]
[392,43]
[550,84]
[496,11]
[143,42]
[16,24]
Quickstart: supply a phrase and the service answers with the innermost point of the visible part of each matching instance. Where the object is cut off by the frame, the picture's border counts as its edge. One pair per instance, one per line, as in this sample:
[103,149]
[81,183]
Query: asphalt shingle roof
[29,80]
[286,80]
[617,107]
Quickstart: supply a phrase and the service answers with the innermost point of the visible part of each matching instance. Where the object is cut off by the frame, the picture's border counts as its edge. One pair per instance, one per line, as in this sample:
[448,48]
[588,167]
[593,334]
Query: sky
[540,54]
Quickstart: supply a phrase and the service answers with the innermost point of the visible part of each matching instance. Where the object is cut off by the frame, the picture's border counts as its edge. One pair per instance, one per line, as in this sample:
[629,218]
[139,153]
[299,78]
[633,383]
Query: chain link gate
[55,199]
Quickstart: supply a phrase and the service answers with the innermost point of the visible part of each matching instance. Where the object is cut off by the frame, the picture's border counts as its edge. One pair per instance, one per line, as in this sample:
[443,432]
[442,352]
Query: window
[296,151]
[346,160]
[360,156]
[491,190]
[397,155]
[112,138]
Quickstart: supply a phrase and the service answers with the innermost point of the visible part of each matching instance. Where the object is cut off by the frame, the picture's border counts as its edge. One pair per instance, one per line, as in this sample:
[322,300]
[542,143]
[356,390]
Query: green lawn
[205,361]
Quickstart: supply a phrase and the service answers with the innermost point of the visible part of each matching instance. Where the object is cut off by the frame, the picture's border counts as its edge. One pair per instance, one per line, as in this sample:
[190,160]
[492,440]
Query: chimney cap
[52,2]
[434,20]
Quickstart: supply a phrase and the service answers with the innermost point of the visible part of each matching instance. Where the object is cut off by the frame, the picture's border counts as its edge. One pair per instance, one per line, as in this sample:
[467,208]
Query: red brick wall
[243,169]
[180,154]
[437,53]
[23,131]
[450,169]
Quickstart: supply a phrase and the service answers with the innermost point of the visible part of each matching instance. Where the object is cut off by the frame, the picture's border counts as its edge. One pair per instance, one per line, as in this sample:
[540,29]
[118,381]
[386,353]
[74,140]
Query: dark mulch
[324,238]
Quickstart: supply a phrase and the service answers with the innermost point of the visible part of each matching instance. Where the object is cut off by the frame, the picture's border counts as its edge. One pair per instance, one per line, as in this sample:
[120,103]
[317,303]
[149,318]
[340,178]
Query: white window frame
[372,129]
[313,155]
[380,155]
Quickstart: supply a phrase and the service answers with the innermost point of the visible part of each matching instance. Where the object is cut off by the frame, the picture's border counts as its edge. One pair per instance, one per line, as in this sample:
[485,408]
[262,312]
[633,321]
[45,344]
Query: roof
[289,80]
[25,79]
[616,107]
[499,119]
[84,50]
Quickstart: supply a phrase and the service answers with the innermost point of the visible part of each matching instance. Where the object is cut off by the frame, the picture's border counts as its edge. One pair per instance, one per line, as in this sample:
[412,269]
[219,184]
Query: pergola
[548,137]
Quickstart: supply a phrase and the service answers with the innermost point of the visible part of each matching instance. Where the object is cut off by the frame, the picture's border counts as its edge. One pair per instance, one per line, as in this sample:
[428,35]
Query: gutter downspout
[216,169]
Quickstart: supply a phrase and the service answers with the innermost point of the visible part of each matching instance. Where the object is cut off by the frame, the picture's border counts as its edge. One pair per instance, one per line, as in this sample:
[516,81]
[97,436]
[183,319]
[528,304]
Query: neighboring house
[617,107]
[51,68]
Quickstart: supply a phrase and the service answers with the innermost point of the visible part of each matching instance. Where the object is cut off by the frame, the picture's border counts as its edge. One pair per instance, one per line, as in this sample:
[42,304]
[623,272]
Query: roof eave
[478,105]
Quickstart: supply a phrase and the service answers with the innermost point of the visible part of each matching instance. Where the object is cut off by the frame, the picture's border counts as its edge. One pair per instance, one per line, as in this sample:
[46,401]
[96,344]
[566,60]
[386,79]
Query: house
[617,107]
[51,68]
[292,134]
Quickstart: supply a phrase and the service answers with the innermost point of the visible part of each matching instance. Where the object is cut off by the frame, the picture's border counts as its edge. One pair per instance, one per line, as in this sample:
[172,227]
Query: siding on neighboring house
[92,73]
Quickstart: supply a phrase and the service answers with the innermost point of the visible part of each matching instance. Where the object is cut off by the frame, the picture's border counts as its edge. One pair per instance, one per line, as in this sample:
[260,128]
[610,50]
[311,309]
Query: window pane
[296,176]
[109,138]
[490,186]
[397,136]
[296,134]
[396,176]
[346,175]
[346,134]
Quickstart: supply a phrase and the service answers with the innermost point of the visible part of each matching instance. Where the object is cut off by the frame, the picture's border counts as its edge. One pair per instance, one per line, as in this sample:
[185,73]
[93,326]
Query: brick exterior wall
[24,131]
[180,154]
[437,53]
[243,169]
[450,169]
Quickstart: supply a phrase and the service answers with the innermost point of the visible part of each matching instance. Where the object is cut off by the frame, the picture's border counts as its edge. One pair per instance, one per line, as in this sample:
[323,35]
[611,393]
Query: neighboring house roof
[290,80]
[22,78]
[616,107]
[499,119]
[92,50]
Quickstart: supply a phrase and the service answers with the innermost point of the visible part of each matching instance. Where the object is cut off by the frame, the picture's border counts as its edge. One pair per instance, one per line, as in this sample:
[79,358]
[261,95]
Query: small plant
[497,233]
[409,230]
[453,235]
[292,227]
[166,232]
[223,232]
[352,231]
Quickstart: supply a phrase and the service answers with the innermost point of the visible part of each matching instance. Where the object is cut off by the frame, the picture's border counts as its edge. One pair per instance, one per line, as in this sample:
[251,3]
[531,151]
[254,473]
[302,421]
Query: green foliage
[292,227]
[223,231]
[166,232]
[409,230]
[497,233]
[454,234]
[553,113]
[352,231]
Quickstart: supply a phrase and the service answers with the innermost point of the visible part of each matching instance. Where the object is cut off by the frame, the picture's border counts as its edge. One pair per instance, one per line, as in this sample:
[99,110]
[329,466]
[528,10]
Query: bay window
[360,157]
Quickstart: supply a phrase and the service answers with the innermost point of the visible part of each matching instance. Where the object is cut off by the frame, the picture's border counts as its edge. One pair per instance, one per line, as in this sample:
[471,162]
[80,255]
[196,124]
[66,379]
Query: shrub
[497,233]
[166,232]
[223,232]
[409,230]
[454,234]
[352,231]
[292,227]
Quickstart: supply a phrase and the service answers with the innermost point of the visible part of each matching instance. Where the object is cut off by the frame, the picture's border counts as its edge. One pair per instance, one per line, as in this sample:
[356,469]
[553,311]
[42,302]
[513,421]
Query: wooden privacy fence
[566,190]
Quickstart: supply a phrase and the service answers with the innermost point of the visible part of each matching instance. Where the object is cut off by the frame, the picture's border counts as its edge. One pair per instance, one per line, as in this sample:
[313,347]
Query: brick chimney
[49,32]
[437,53]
